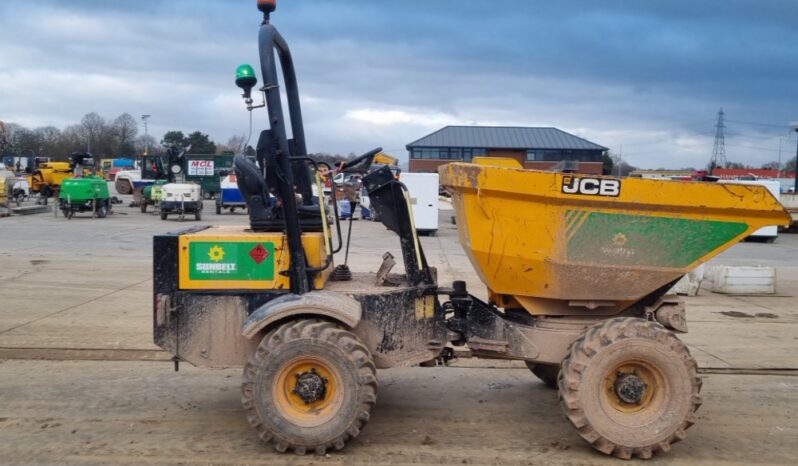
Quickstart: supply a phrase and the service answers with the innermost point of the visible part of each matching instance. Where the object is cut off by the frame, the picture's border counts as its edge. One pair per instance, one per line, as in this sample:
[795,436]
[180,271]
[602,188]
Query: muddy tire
[310,386]
[630,388]
[546,372]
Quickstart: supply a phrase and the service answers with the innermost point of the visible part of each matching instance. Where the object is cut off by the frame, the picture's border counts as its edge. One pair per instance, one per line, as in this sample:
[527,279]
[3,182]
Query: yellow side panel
[226,258]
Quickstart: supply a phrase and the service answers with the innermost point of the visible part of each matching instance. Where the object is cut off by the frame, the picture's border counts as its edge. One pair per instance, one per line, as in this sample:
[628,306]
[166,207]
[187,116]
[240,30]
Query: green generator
[88,194]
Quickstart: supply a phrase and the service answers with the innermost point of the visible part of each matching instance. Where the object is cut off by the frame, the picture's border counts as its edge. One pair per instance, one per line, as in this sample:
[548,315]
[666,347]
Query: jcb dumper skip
[577,269]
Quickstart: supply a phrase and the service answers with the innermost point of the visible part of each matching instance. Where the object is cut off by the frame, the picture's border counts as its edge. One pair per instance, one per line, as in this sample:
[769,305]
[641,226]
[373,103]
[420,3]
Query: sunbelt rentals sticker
[222,260]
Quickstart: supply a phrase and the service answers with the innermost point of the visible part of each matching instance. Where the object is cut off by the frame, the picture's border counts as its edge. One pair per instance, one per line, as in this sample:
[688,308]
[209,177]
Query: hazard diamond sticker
[259,254]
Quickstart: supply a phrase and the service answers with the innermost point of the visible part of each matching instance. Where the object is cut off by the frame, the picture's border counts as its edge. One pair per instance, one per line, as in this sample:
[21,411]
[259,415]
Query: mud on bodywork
[400,325]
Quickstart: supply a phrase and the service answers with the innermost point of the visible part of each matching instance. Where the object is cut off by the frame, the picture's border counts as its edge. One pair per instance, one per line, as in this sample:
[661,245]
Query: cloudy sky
[645,78]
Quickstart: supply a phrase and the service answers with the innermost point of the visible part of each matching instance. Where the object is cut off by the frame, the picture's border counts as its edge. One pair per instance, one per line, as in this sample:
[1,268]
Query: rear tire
[218,210]
[310,350]
[198,216]
[143,206]
[102,210]
[630,388]
[163,215]
[545,372]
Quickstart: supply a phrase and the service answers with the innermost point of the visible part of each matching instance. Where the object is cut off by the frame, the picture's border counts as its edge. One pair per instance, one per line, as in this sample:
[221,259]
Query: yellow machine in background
[4,190]
[384,159]
[46,179]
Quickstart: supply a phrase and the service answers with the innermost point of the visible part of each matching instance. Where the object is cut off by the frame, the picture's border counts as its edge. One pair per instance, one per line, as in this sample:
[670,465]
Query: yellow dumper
[577,268]
[46,179]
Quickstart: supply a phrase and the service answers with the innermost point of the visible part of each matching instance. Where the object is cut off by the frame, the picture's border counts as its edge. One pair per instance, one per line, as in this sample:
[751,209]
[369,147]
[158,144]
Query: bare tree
[126,129]
[235,144]
[49,137]
[93,125]
[72,139]
[145,140]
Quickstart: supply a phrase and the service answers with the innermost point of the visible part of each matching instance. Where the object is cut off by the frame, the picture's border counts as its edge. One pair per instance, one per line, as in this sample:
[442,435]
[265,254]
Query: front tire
[163,215]
[630,388]
[310,386]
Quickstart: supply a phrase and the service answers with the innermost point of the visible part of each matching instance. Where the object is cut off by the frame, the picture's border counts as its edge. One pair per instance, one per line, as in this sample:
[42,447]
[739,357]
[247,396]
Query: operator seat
[257,187]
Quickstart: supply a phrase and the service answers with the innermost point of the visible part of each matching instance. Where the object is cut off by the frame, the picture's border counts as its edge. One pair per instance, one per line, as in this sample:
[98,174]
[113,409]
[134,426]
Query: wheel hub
[310,386]
[630,388]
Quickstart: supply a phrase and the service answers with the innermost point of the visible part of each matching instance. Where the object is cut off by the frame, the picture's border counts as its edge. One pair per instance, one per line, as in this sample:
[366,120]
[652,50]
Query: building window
[544,155]
[445,153]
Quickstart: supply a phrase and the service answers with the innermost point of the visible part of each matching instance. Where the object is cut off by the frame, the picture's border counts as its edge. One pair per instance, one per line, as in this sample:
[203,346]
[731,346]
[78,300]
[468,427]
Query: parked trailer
[86,194]
[180,199]
[229,196]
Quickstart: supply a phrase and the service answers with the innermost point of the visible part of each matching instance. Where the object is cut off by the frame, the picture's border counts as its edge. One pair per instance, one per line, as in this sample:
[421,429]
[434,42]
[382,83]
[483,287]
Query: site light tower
[146,139]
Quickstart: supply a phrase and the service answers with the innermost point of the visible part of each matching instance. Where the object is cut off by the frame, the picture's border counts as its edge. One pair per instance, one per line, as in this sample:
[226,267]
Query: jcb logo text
[591,186]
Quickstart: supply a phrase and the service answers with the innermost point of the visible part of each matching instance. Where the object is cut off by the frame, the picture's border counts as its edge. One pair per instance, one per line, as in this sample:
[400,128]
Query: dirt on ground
[89,412]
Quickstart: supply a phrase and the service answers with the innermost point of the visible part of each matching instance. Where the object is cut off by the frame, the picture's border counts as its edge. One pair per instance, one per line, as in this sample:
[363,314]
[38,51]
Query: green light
[245,77]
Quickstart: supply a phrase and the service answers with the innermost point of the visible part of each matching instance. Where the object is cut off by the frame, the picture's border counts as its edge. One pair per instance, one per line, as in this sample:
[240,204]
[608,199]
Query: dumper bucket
[552,241]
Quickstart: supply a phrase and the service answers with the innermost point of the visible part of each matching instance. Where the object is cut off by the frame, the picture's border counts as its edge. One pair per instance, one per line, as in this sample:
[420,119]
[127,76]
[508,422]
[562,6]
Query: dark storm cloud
[646,74]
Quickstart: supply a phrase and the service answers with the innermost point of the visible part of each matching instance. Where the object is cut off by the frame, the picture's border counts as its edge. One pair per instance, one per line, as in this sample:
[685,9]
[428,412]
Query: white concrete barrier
[690,284]
[748,280]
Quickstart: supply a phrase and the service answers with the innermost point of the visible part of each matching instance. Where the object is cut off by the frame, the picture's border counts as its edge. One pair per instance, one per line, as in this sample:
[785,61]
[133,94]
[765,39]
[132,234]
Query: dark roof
[504,137]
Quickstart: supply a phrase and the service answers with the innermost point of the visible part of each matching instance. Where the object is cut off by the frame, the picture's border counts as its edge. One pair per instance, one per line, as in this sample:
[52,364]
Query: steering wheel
[361,163]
